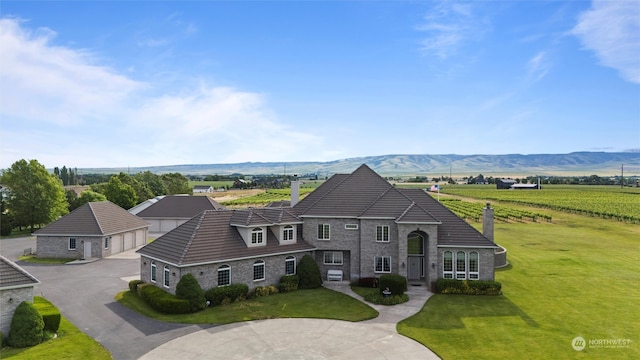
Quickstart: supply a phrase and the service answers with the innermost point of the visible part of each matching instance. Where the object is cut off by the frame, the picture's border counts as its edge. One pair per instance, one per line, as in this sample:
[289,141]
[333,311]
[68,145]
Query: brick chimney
[487,222]
[295,190]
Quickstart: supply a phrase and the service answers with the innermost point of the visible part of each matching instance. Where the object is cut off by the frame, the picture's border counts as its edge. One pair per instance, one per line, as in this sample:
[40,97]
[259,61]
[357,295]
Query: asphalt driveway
[85,295]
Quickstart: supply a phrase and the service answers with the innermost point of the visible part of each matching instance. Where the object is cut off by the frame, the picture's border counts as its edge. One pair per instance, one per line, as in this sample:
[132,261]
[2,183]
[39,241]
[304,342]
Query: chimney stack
[487,222]
[295,190]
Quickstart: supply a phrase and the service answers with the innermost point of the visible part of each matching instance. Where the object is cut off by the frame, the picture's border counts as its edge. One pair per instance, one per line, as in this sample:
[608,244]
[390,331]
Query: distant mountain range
[576,163]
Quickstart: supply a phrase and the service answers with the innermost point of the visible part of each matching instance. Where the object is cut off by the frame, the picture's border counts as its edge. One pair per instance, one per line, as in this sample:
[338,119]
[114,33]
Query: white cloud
[448,26]
[537,67]
[59,106]
[611,29]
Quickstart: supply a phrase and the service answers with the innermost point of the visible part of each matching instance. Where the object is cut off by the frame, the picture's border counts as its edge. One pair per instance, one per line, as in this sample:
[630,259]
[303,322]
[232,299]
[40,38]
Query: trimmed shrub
[50,314]
[226,294]
[133,285]
[370,282]
[308,273]
[397,284]
[27,327]
[189,289]
[265,290]
[288,283]
[162,301]
[468,287]
[379,299]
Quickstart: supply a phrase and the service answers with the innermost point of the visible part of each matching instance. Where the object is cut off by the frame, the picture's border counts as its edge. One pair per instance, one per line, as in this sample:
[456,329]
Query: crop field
[266,197]
[473,211]
[609,202]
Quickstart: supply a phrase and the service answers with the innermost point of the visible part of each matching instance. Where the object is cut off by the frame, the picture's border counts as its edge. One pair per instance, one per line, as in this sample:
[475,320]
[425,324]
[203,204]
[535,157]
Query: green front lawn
[36,260]
[316,303]
[71,344]
[577,276]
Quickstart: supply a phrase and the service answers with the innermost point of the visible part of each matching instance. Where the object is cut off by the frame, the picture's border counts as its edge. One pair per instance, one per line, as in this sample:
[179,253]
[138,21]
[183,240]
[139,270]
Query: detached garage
[172,211]
[94,230]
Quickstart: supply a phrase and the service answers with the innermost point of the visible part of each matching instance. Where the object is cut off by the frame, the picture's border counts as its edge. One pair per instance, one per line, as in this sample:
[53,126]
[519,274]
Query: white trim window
[461,261]
[166,279]
[258,270]
[73,243]
[447,265]
[288,233]
[153,271]
[257,236]
[333,257]
[351,226]
[382,264]
[382,233]
[474,274]
[106,242]
[324,231]
[290,265]
[224,275]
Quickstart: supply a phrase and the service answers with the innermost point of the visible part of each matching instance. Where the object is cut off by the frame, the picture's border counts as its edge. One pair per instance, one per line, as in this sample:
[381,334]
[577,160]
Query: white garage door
[128,241]
[116,244]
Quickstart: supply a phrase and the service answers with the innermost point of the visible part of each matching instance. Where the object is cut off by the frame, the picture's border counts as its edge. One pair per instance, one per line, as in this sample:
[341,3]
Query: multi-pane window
[73,244]
[106,242]
[383,264]
[447,265]
[473,266]
[224,275]
[382,233]
[323,231]
[290,265]
[351,226]
[153,271]
[333,257]
[287,233]
[461,260]
[257,236]
[166,279]
[258,270]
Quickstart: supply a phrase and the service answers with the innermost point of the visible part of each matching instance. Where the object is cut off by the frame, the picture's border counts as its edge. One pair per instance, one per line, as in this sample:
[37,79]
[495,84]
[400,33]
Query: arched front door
[416,251]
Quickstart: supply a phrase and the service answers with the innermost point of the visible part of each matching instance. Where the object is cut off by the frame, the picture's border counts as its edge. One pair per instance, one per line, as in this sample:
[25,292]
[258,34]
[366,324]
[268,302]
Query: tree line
[32,196]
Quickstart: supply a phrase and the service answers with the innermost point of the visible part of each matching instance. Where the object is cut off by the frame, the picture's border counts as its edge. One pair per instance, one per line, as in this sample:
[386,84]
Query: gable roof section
[180,207]
[453,231]
[13,276]
[94,219]
[209,238]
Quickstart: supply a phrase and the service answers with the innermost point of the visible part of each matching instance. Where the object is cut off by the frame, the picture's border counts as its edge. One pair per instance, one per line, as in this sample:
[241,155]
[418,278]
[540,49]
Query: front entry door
[415,267]
[87,249]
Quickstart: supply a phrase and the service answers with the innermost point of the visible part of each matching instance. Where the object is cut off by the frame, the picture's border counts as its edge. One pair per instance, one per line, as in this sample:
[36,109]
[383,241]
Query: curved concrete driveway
[282,339]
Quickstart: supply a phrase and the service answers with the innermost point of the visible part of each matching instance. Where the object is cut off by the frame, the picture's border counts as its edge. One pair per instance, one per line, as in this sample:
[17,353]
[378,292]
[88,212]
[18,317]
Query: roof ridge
[192,236]
[407,209]
[418,205]
[376,200]
[330,190]
[95,217]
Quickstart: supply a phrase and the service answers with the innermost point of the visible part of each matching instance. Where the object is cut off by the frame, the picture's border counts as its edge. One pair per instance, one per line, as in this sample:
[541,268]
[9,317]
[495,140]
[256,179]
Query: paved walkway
[306,339]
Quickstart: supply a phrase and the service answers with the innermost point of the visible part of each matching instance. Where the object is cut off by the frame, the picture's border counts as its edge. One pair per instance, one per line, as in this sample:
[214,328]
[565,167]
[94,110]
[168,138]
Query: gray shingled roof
[13,276]
[179,207]
[365,194]
[264,217]
[453,231]
[209,238]
[94,219]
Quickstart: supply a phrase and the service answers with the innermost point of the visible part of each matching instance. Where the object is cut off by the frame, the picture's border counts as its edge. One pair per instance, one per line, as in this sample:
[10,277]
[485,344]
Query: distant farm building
[202,189]
[504,183]
[525,186]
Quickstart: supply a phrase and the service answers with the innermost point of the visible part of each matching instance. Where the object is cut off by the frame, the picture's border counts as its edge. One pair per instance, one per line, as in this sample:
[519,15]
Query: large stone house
[94,230]
[16,286]
[355,224]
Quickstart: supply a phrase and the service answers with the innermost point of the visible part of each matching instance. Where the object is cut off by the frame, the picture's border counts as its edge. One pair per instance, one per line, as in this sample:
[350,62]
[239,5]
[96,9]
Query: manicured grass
[577,276]
[316,303]
[71,344]
[36,260]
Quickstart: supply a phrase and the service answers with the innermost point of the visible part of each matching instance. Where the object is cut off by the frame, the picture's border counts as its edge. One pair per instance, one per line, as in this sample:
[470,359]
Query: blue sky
[141,83]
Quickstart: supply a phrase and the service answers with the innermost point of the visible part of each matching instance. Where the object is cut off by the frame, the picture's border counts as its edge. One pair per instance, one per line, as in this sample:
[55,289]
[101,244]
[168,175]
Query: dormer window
[257,236]
[287,233]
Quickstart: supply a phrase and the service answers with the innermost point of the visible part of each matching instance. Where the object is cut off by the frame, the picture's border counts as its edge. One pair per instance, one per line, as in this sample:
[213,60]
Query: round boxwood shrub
[133,285]
[189,289]
[226,294]
[288,283]
[397,284]
[308,273]
[27,326]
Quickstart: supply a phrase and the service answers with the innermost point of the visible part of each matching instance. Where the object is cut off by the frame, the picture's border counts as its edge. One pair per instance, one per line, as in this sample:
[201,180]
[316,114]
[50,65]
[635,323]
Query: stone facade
[486,267]
[207,274]
[58,246]
[9,301]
